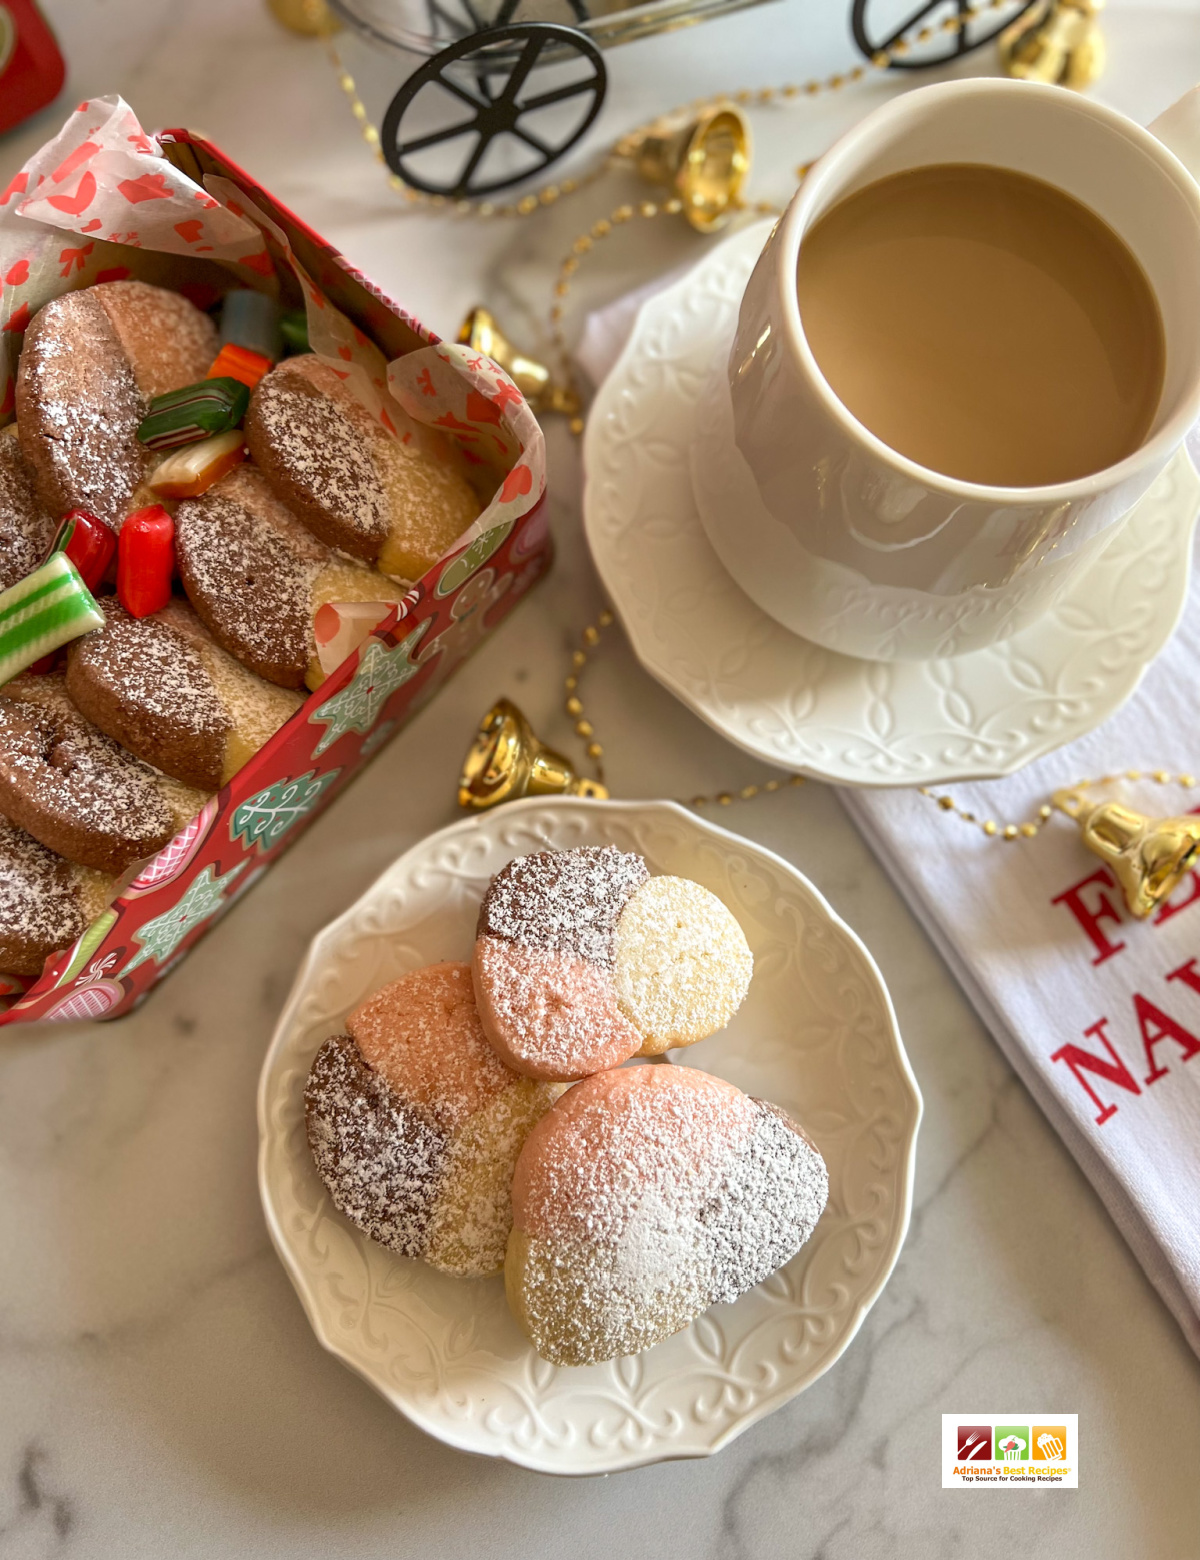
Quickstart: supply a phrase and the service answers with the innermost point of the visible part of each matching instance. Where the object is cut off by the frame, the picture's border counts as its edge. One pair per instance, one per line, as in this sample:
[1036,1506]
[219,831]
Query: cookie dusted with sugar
[45,901]
[27,528]
[415,1124]
[681,963]
[396,502]
[644,1196]
[162,687]
[74,789]
[543,961]
[583,960]
[257,577]
[91,363]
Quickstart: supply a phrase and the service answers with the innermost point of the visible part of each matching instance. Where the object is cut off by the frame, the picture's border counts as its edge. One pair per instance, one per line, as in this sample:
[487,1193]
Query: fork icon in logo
[974,1443]
[1050,1443]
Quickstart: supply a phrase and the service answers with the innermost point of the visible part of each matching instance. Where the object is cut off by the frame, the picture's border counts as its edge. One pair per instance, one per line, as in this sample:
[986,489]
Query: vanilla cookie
[45,901]
[257,577]
[415,1124]
[681,963]
[74,789]
[162,687]
[91,363]
[398,502]
[644,1196]
[583,960]
[27,528]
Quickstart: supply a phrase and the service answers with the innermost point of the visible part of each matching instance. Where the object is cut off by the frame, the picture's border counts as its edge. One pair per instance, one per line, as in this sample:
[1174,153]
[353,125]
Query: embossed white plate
[816,1034]
[788,701]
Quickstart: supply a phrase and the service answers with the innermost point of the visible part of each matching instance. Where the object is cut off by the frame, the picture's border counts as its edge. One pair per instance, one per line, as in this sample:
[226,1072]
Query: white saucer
[790,702]
[816,1034]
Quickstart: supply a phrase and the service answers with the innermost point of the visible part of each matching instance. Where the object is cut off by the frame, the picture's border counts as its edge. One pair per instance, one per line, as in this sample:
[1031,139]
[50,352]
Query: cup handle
[1178,128]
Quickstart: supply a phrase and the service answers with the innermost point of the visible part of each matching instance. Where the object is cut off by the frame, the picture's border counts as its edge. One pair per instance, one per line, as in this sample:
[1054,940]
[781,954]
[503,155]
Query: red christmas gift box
[104,200]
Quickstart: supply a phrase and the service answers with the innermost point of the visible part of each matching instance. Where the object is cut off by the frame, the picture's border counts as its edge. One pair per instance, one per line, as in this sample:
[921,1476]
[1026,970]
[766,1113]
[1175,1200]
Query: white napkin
[1098,1014]
[1037,934]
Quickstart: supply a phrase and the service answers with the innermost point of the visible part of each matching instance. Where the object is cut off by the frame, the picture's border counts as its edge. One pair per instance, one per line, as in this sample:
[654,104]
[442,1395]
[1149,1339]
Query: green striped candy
[196,412]
[44,610]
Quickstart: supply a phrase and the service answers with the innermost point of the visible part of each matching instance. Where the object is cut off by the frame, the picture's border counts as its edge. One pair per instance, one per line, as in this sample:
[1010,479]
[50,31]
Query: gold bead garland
[1068,801]
[574,704]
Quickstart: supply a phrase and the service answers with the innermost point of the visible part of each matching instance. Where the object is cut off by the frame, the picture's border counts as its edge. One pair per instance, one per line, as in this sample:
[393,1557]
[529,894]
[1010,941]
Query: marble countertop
[160,1391]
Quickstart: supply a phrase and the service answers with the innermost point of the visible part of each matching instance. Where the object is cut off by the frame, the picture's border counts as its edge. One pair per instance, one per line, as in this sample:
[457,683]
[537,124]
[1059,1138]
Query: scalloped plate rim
[1172,600]
[439,1427]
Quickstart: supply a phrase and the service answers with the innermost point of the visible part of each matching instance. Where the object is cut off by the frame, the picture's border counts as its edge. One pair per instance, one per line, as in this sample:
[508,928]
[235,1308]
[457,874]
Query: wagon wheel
[976,27]
[497,63]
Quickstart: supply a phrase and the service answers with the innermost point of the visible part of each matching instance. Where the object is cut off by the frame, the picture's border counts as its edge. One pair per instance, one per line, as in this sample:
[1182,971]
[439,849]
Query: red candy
[88,543]
[145,561]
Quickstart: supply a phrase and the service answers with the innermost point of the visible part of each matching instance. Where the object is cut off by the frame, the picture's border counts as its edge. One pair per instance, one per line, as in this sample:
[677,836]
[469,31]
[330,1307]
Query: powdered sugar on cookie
[646,1196]
[569,900]
[682,965]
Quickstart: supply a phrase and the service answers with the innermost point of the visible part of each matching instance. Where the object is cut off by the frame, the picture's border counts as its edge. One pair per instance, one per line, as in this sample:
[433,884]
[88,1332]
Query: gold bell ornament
[703,161]
[506,761]
[312,18]
[1148,855]
[481,333]
[1060,43]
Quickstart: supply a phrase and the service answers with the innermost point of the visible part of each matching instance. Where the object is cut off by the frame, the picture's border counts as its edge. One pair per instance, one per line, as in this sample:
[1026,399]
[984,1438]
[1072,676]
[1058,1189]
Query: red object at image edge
[32,70]
[145,561]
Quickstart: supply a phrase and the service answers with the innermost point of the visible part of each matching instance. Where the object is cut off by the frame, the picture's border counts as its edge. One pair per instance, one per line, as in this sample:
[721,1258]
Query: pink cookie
[548,1014]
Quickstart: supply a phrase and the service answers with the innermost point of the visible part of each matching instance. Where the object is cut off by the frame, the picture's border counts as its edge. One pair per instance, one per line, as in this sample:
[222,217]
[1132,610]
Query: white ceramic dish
[786,700]
[817,1035]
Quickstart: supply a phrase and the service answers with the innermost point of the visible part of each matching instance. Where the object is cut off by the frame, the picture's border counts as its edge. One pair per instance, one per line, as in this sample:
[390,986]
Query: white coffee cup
[859,548]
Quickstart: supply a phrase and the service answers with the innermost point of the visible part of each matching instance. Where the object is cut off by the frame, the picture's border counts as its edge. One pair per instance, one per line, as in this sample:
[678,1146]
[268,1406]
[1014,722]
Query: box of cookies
[252,516]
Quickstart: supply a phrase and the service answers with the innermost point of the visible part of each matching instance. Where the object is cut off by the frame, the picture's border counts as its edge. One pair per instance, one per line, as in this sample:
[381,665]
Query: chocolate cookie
[398,503]
[74,789]
[45,902]
[381,1161]
[163,688]
[26,527]
[256,577]
[90,365]
[566,900]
